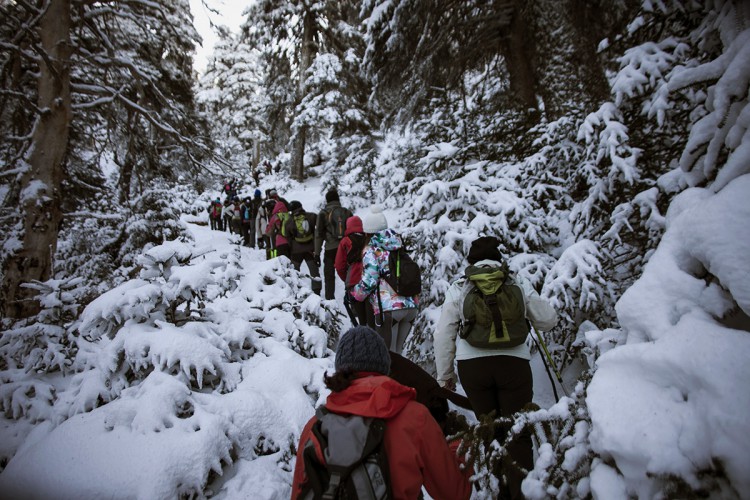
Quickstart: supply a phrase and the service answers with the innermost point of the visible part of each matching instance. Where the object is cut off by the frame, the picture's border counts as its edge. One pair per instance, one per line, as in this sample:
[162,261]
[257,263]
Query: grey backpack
[355,464]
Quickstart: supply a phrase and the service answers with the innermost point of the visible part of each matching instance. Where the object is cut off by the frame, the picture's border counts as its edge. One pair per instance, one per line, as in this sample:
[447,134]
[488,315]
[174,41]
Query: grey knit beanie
[361,349]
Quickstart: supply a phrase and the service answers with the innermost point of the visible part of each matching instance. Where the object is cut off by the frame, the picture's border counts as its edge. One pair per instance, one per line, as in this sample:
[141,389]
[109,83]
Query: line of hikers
[481,334]
[356,251]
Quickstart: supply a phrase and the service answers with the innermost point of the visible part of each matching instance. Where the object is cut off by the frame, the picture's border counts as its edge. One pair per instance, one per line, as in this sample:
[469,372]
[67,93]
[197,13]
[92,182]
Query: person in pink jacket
[280,244]
[417,452]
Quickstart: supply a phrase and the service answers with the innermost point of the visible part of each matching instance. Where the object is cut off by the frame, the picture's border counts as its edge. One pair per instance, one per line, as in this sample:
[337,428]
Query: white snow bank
[135,447]
[672,406]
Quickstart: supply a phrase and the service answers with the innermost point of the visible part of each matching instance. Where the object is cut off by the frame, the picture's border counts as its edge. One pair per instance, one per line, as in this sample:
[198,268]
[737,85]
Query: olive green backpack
[493,300]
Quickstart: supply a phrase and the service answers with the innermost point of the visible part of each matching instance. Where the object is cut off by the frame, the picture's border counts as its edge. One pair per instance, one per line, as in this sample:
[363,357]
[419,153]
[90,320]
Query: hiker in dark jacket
[247,219]
[299,230]
[261,219]
[398,312]
[348,265]
[417,452]
[329,230]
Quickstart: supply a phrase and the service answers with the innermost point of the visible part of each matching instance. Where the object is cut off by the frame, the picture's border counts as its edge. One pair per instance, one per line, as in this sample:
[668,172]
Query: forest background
[567,129]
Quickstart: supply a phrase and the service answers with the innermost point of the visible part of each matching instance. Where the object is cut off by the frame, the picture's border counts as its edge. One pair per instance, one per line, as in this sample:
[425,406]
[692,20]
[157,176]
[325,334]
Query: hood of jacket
[353,225]
[376,396]
[330,205]
[279,207]
[387,239]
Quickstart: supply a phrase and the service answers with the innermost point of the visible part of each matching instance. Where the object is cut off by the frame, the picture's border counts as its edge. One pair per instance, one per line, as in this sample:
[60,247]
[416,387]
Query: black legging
[502,384]
[329,273]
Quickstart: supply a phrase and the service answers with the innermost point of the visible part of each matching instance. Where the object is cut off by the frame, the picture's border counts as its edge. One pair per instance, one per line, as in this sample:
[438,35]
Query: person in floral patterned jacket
[399,312]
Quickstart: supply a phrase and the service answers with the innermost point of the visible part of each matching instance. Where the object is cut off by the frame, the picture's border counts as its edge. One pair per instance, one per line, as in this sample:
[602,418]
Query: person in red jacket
[348,266]
[417,452]
[278,242]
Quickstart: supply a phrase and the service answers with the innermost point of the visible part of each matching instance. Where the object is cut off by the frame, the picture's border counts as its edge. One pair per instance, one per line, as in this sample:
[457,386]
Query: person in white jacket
[495,379]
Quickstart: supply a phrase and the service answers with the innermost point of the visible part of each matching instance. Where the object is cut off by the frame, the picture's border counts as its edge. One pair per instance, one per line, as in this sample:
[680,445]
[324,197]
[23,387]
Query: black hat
[332,195]
[294,205]
[484,248]
[361,349]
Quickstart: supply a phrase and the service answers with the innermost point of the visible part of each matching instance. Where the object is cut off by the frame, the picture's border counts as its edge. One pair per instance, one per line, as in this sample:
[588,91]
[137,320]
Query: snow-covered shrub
[154,219]
[575,286]
[42,343]
[33,348]
[561,438]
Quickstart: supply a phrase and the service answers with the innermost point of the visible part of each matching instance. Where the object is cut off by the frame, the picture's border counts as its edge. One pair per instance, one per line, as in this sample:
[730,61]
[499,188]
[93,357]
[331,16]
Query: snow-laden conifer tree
[233,98]
[207,362]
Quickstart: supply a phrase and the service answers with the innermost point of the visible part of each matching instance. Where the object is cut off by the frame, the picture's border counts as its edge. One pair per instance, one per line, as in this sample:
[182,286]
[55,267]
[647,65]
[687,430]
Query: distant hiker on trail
[329,230]
[214,214]
[493,368]
[394,313]
[274,195]
[280,245]
[230,188]
[299,229]
[256,174]
[256,229]
[236,215]
[416,453]
[226,214]
[262,220]
[247,214]
[348,265]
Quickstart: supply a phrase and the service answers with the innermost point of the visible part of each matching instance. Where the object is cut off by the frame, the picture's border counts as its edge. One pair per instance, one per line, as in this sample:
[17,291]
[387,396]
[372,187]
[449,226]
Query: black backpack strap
[497,317]
[380,306]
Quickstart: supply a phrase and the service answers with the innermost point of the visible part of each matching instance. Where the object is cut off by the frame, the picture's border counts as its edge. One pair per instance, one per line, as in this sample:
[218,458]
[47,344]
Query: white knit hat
[374,221]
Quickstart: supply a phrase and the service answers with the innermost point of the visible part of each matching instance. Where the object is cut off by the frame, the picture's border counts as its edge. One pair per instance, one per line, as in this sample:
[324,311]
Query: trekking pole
[349,310]
[542,346]
[546,368]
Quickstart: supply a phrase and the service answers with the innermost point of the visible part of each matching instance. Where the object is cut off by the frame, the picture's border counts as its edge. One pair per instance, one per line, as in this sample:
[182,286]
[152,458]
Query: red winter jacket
[274,225]
[416,448]
[353,225]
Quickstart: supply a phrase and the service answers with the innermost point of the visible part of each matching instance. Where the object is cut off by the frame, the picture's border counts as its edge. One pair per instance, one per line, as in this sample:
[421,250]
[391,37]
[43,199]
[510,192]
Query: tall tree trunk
[306,55]
[518,51]
[41,182]
[585,17]
[126,172]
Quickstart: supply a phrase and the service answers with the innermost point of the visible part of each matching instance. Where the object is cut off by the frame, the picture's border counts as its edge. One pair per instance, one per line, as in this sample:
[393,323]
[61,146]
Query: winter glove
[449,384]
